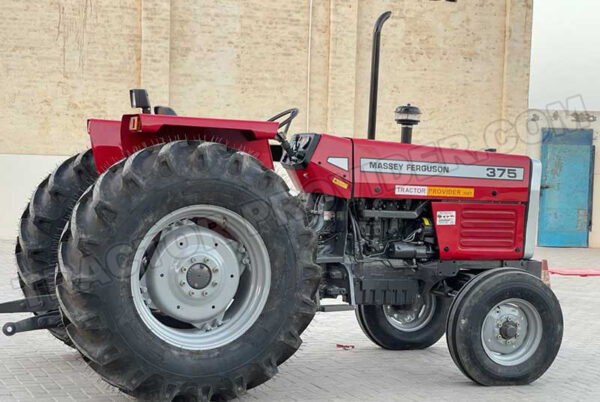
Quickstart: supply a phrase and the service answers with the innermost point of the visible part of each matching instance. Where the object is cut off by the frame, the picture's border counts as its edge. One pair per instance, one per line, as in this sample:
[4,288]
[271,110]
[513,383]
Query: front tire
[405,328]
[505,328]
[167,350]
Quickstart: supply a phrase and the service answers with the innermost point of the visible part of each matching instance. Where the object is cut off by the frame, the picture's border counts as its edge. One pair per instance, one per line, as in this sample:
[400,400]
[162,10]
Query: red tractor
[177,262]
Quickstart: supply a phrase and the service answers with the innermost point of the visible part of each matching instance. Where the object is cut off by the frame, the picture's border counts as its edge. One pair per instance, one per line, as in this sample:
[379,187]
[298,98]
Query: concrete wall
[466,65]
[540,119]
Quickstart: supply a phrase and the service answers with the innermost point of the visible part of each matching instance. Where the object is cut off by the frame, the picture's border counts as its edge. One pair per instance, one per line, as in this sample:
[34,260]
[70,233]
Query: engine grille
[486,231]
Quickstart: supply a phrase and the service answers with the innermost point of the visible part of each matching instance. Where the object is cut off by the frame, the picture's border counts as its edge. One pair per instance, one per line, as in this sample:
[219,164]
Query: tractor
[181,266]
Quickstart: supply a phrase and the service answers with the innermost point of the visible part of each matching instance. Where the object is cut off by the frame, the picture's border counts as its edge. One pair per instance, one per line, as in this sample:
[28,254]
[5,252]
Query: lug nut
[182,283]
[183,269]
[193,259]
[205,293]
[214,284]
[215,270]
[206,260]
[191,293]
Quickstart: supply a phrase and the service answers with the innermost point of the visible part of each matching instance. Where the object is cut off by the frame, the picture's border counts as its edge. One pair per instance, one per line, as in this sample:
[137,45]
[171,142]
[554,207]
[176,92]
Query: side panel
[486,231]
[396,170]
[326,167]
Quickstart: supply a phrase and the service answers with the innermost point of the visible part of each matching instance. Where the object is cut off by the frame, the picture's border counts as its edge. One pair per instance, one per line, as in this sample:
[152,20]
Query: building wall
[466,65]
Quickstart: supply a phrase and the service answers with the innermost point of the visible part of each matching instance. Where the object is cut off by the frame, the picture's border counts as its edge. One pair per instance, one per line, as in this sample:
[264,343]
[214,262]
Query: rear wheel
[207,283]
[505,328]
[43,221]
[417,326]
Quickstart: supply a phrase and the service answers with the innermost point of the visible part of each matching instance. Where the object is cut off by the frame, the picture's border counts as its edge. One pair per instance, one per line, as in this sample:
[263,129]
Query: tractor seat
[164,110]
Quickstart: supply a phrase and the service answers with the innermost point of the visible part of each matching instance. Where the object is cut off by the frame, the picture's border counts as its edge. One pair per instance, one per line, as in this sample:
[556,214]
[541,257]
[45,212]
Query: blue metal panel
[566,187]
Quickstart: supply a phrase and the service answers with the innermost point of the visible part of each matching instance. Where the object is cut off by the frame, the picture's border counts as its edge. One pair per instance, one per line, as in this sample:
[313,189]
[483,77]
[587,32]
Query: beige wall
[466,65]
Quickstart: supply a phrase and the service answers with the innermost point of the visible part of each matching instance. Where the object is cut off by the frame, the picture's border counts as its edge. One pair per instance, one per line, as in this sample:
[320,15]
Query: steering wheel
[284,125]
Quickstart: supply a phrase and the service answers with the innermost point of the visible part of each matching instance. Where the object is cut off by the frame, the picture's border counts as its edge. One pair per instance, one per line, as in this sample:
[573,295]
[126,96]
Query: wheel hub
[414,317]
[511,332]
[204,266]
[199,276]
[508,330]
[193,275]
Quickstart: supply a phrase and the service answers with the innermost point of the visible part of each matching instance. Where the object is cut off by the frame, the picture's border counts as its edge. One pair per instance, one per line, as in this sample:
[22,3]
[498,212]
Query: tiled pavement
[35,366]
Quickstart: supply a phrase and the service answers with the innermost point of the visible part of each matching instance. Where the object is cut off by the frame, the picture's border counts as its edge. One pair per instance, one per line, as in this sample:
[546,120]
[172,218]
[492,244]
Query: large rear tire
[122,247]
[43,221]
[504,328]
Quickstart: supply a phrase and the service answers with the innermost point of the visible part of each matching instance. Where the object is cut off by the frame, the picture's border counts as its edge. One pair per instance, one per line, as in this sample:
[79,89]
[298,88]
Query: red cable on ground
[575,271]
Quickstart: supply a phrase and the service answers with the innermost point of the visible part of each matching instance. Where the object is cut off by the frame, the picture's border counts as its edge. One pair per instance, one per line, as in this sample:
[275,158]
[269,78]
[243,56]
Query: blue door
[567,173]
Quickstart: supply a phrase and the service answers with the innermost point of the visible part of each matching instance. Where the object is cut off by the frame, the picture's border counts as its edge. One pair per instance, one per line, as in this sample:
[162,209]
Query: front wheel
[417,326]
[187,272]
[504,328]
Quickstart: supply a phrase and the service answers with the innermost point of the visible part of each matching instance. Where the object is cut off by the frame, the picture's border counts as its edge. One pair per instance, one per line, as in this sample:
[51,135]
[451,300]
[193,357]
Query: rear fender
[113,140]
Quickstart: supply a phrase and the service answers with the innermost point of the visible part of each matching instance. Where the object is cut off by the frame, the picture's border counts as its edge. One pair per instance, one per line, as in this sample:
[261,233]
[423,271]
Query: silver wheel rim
[414,317]
[201,277]
[511,332]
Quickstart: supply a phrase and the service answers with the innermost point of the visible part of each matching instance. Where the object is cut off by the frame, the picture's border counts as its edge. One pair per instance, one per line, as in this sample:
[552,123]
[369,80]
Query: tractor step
[330,308]
[44,321]
[34,304]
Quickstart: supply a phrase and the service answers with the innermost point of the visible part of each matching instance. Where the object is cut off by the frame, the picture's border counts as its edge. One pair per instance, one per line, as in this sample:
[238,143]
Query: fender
[113,140]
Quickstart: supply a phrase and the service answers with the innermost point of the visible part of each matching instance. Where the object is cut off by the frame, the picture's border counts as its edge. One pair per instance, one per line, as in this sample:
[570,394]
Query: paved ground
[35,366]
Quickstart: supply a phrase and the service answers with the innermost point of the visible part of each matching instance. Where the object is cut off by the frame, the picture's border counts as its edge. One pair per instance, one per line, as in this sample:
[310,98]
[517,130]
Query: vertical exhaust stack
[375,73]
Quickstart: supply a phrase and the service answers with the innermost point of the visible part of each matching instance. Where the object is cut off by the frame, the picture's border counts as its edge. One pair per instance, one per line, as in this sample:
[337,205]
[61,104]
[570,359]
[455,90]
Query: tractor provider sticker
[396,166]
[446,218]
[456,192]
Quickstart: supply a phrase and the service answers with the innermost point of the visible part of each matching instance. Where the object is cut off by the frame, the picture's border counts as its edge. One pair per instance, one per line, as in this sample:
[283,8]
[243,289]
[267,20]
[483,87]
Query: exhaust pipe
[375,74]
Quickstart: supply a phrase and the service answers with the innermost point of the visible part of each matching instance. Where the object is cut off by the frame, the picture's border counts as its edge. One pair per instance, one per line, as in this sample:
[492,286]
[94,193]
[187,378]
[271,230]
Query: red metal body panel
[484,231]
[320,176]
[114,140]
[367,183]
[105,136]
[254,130]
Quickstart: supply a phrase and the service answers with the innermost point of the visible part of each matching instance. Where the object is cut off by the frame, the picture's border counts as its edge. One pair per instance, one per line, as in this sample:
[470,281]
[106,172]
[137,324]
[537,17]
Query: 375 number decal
[500,172]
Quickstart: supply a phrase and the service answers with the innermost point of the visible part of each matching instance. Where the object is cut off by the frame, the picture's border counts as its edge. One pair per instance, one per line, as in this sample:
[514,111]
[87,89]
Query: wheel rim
[200,277]
[511,332]
[413,318]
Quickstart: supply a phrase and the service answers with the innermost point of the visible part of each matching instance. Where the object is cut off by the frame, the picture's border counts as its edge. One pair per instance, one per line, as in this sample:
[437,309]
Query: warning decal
[456,192]
[446,218]
[340,183]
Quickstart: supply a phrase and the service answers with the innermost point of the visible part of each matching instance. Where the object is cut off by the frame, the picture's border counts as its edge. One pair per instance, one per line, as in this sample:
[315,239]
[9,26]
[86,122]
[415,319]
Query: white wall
[19,176]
